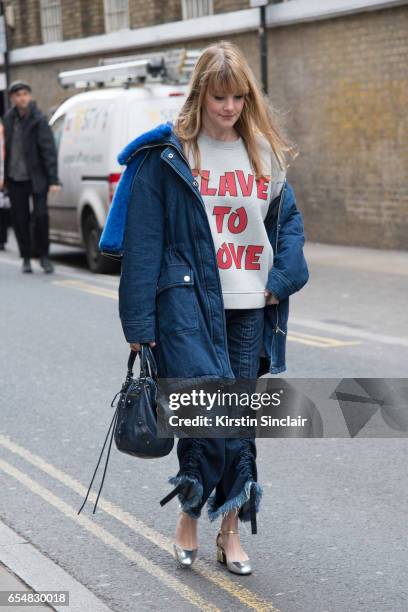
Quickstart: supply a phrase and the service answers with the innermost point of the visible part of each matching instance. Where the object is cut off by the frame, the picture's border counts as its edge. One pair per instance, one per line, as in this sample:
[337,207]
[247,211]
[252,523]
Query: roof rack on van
[173,66]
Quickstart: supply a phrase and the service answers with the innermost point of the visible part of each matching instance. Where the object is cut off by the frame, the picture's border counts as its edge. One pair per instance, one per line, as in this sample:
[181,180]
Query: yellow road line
[234,589]
[301,338]
[88,288]
[322,341]
[107,538]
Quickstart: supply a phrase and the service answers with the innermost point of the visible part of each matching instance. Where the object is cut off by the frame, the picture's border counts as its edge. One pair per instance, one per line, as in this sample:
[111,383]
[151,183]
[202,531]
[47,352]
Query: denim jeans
[227,465]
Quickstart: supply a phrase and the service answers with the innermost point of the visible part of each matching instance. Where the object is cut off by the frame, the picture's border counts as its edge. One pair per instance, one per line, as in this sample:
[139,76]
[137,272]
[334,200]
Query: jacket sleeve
[141,262]
[289,272]
[48,150]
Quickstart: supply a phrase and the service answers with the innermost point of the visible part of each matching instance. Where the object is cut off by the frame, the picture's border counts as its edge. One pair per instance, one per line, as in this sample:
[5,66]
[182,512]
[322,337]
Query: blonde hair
[222,68]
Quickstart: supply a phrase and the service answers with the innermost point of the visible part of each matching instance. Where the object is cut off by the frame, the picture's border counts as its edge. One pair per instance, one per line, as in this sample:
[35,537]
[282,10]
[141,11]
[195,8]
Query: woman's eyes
[222,97]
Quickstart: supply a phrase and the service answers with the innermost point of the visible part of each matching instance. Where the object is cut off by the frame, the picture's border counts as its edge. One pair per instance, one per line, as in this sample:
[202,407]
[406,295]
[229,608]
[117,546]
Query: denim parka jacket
[170,289]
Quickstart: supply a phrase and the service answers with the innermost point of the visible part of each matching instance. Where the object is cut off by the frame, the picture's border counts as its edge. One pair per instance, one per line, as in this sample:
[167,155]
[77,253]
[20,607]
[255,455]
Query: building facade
[337,75]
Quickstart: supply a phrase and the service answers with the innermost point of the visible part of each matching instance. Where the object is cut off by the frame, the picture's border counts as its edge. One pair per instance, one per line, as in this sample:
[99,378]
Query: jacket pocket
[176,300]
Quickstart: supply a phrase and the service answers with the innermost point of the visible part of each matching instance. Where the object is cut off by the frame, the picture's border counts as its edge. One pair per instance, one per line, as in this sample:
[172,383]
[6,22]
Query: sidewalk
[24,568]
[358,258]
[10,582]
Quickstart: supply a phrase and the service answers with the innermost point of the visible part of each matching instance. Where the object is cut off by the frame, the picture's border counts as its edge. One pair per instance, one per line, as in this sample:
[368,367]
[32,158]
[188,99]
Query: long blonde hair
[222,68]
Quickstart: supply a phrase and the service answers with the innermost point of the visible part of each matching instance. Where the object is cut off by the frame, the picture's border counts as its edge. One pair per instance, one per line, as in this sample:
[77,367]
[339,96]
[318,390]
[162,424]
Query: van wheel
[97,262]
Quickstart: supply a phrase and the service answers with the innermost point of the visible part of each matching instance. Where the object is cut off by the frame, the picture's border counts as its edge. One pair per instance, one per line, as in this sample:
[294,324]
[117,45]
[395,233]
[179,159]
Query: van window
[57,128]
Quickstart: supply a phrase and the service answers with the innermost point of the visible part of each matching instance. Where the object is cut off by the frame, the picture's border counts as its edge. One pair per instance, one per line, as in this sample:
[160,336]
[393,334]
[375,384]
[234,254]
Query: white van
[90,130]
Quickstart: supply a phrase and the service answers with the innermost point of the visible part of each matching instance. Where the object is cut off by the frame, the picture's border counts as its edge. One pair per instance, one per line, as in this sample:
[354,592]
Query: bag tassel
[111,427]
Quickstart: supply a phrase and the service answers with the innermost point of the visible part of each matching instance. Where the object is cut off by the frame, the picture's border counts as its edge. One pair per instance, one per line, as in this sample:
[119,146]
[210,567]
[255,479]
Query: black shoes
[46,264]
[27,265]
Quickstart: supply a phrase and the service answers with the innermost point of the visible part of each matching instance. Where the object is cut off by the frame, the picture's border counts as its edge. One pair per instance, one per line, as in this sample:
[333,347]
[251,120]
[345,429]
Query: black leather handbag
[134,424]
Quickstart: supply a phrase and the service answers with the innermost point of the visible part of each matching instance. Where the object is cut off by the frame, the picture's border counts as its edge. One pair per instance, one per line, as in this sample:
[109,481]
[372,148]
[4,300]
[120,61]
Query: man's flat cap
[17,85]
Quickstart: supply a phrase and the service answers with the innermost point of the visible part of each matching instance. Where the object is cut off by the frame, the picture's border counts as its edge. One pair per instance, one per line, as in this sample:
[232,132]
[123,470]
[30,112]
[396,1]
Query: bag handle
[147,362]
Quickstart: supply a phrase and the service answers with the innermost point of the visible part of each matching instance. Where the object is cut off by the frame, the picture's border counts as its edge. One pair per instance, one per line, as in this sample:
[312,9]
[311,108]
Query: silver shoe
[236,567]
[185,557]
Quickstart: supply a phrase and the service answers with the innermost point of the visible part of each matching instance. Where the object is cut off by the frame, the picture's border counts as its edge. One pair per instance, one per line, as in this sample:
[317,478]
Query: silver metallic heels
[185,557]
[236,567]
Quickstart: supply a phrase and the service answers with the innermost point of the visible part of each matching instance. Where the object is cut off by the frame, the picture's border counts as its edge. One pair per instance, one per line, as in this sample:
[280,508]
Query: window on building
[51,20]
[116,15]
[196,8]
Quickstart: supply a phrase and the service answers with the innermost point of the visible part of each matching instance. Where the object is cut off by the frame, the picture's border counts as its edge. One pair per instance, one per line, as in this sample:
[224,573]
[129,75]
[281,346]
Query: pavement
[23,568]
[10,582]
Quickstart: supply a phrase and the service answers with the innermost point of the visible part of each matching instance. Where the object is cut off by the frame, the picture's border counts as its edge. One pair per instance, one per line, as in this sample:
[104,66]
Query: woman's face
[223,110]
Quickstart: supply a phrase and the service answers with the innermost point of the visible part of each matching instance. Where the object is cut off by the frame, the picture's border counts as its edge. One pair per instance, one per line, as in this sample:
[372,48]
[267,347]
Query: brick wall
[172,11]
[344,84]
[79,18]
[341,86]
[93,22]
[27,30]
[71,19]
[144,14]
[85,17]
[224,6]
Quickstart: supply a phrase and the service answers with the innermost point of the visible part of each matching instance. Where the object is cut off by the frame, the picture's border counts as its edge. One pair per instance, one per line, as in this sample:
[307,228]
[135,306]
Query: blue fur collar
[112,237]
[157,134]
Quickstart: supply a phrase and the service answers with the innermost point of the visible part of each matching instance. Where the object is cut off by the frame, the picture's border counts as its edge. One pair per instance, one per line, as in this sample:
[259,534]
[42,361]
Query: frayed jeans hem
[189,492]
[237,503]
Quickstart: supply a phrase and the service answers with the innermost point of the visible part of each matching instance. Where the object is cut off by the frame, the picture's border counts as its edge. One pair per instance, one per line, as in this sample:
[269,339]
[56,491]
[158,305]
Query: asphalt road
[332,527]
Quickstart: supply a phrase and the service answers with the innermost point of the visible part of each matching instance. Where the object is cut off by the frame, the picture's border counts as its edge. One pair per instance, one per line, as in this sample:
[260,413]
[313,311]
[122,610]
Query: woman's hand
[136,346]
[270,298]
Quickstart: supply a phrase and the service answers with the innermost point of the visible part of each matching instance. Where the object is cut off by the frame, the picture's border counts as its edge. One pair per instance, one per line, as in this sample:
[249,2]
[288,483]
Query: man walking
[30,169]
[4,201]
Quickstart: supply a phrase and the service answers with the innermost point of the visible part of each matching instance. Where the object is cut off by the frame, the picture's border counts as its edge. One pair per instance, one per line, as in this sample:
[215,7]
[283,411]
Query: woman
[199,211]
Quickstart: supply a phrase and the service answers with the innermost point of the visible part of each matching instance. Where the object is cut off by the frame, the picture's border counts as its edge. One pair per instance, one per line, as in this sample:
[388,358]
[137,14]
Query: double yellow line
[301,338]
[240,593]
[321,341]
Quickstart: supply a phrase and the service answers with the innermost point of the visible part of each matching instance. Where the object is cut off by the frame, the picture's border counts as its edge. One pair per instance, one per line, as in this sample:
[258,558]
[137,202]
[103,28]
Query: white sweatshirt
[236,207]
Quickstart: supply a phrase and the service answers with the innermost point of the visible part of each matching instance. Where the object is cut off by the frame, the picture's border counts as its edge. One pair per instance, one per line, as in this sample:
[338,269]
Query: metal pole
[263,47]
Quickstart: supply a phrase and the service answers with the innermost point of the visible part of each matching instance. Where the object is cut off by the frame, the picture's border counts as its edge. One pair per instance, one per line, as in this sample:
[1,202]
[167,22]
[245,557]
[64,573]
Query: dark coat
[40,150]
[170,289]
